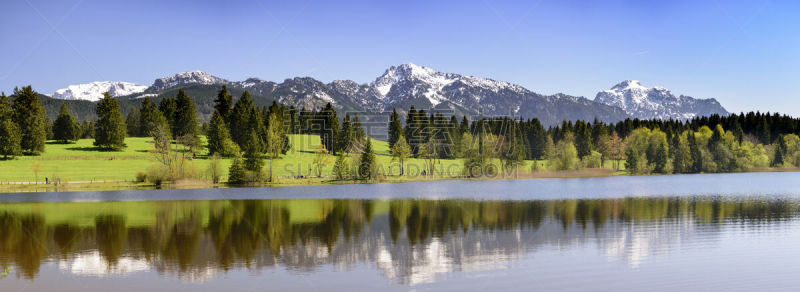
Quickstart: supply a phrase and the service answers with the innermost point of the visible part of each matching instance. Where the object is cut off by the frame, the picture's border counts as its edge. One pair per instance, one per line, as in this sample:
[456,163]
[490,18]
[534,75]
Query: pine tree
[346,134]
[10,137]
[661,158]
[150,118]
[219,139]
[223,103]
[538,139]
[65,128]
[368,167]
[780,152]
[168,108]
[31,120]
[764,131]
[358,130]
[132,122]
[185,120]
[253,160]
[395,128]
[463,128]
[330,129]
[237,174]
[110,128]
[632,160]
[583,142]
[241,118]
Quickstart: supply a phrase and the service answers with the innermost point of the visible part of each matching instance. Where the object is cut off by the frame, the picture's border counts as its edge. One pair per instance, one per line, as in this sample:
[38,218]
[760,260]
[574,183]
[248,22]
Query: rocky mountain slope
[657,102]
[408,85]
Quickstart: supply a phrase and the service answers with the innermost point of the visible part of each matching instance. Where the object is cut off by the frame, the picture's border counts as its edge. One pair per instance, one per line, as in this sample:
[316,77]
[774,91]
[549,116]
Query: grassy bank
[81,166]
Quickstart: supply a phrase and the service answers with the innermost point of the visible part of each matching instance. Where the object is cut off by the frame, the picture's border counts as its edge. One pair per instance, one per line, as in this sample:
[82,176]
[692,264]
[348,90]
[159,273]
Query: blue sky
[745,54]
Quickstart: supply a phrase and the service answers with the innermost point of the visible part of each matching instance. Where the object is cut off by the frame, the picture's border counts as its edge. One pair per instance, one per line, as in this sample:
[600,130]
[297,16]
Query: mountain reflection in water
[409,241]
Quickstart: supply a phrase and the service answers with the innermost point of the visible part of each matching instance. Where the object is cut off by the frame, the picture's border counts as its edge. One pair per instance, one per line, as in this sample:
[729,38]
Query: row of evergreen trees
[24,127]
[752,140]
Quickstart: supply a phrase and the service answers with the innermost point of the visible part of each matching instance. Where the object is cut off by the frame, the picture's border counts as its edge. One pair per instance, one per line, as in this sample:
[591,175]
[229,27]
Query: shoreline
[29,187]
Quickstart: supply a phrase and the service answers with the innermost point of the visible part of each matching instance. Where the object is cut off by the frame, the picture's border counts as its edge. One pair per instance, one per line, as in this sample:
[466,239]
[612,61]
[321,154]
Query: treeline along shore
[246,144]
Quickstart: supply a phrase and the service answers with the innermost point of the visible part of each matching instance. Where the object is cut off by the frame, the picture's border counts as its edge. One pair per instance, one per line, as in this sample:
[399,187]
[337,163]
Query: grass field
[82,162]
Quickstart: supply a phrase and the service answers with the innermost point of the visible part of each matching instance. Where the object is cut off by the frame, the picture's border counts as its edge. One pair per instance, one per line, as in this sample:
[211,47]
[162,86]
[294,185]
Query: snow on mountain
[408,85]
[94,91]
[410,81]
[656,102]
[185,78]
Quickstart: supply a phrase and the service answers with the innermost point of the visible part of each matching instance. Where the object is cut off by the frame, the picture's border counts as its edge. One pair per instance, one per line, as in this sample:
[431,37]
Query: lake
[709,232]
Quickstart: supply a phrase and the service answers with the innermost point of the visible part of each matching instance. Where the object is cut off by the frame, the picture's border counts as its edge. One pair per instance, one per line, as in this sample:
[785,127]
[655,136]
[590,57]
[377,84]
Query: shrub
[592,160]
[141,176]
[157,174]
[214,168]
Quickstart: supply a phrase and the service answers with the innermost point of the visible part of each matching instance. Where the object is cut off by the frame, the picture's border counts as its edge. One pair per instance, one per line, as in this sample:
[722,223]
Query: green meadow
[81,161]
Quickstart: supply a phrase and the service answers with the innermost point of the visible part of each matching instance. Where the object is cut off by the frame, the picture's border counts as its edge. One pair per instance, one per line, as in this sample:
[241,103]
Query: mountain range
[409,85]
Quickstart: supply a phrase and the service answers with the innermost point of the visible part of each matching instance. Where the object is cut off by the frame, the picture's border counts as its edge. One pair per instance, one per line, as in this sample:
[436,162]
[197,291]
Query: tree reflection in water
[194,238]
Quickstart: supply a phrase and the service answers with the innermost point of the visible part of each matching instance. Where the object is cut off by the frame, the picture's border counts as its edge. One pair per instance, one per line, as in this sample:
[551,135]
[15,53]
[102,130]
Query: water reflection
[410,241]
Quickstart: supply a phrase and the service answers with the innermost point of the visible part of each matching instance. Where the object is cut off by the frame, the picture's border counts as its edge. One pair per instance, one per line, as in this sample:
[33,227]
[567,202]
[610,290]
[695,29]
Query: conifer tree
[632,160]
[150,118]
[330,129]
[661,158]
[780,152]
[132,123]
[763,131]
[368,167]
[10,137]
[185,120]
[65,128]
[223,103]
[110,128]
[253,155]
[464,126]
[346,134]
[31,120]
[241,118]
[219,139]
[237,174]
[538,139]
[358,130]
[583,142]
[395,128]
[168,108]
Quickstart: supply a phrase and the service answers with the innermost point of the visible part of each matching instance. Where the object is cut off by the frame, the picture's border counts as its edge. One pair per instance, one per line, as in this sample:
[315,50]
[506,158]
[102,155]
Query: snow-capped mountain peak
[629,84]
[656,102]
[94,91]
[411,81]
[191,77]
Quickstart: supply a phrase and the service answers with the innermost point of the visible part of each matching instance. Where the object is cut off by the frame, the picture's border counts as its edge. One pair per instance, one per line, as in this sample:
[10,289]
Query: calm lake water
[721,232]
